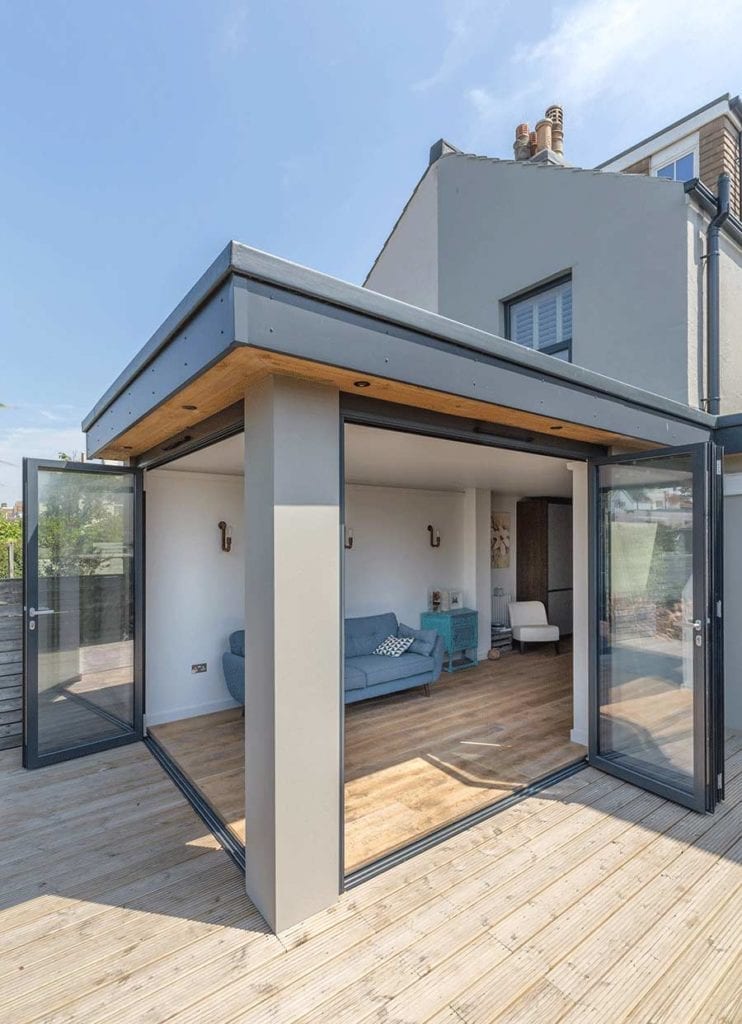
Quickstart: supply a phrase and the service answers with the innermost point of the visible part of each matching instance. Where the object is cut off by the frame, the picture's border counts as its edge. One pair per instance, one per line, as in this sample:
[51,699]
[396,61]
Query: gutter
[713,299]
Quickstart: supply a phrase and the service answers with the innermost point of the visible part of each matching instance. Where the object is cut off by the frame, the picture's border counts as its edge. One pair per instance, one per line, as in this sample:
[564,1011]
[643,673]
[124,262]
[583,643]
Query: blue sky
[138,138]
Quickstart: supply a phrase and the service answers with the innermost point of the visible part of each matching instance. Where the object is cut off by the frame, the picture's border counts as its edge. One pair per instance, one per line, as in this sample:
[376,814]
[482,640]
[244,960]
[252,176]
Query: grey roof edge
[187,306]
[733,101]
[261,266]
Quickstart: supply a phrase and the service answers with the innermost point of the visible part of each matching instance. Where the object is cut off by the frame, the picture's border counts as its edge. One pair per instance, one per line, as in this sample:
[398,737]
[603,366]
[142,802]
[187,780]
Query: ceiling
[394,459]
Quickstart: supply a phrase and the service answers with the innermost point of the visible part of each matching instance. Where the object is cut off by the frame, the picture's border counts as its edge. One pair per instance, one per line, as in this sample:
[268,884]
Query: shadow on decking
[111,829]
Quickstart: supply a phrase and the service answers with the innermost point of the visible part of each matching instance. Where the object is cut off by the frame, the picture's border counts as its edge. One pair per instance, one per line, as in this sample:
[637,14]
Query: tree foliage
[81,523]
[11,531]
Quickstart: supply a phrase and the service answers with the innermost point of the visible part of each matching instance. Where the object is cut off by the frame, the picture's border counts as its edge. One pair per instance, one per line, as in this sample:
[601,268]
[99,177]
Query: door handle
[35,612]
[696,623]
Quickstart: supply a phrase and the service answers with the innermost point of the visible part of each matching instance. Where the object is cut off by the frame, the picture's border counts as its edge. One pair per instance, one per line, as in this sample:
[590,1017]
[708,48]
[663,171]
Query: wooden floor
[413,763]
[592,902]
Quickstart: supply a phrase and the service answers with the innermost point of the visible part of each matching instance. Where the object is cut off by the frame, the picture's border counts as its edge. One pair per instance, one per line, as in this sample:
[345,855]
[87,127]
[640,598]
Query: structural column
[292,648]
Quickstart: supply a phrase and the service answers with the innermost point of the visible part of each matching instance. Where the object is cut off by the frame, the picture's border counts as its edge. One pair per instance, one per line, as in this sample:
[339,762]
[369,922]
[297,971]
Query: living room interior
[441,538]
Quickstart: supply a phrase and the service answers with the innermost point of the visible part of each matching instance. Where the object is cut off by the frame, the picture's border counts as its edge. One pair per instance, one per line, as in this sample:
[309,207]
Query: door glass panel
[84,622]
[647,644]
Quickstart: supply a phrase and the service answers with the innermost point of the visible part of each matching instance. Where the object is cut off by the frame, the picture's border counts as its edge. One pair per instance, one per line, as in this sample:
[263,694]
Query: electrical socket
[200,667]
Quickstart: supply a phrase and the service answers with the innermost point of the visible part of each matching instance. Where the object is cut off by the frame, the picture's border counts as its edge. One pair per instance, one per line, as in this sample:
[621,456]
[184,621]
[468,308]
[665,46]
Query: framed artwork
[500,540]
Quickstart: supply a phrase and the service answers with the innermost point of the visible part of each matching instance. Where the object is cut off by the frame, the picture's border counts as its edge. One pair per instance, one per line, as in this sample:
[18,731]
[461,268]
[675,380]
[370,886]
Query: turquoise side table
[459,629]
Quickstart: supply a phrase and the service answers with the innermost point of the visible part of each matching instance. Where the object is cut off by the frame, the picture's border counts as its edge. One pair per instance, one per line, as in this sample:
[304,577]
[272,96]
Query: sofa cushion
[237,642]
[363,635]
[423,639]
[394,646]
[353,677]
[381,669]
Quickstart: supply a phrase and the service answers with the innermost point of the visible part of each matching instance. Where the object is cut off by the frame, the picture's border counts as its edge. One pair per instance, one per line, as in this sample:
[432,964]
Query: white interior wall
[391,566]
[195,591]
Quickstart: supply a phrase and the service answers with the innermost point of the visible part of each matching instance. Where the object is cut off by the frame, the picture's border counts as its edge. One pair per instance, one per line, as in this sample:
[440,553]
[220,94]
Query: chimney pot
[555,114]
[543,134]
[522,144]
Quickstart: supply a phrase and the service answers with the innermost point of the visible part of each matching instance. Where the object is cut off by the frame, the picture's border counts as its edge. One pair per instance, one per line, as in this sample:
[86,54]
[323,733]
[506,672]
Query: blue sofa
[366,674]
[372,675]
[233,663]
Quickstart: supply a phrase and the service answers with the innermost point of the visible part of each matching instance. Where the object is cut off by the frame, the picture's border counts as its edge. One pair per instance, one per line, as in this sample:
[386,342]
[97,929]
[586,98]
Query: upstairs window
[682,169]
[542,319]
[678,162]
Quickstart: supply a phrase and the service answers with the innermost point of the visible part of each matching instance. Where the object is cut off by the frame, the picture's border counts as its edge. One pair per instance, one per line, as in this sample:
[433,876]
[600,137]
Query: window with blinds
[543,320]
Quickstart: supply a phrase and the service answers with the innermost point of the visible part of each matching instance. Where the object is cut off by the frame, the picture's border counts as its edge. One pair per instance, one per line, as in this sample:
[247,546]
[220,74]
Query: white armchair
[530,625]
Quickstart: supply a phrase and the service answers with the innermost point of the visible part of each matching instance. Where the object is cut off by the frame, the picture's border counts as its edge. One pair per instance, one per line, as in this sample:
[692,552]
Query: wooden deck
[592,902]
[413,763]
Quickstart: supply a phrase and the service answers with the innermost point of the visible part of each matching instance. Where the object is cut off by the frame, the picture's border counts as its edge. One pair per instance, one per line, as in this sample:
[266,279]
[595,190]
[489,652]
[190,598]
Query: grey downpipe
[713,303]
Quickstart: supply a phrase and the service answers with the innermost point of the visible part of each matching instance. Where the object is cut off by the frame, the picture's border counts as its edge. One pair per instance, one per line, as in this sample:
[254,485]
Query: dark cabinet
[543,557]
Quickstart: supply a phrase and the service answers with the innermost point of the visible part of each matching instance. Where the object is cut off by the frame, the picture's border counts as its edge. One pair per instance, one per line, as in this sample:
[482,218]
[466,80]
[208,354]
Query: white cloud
[618,61]
[470,25]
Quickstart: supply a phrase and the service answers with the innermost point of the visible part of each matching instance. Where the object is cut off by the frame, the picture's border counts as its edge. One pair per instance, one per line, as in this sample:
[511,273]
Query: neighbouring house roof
[690,121]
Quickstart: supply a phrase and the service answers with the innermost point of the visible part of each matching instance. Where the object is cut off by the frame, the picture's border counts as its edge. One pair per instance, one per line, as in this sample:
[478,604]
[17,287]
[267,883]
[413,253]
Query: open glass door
[82,683]
[657,673]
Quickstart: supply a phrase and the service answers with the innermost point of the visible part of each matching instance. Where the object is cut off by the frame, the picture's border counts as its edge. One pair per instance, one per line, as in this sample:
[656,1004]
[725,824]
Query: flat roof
[241,260]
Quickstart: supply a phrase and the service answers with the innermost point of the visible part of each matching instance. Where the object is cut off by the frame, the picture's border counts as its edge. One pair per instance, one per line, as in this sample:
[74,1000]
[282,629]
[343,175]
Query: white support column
[477,572]
[292,648]
[580,608]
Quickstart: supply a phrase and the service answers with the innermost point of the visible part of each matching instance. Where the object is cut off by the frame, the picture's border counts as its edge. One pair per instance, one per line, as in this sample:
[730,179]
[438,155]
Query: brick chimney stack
[545,143]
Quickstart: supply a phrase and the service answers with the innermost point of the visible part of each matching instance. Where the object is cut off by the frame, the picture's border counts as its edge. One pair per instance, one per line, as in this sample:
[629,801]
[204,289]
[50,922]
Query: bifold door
[657,672]
[82,687]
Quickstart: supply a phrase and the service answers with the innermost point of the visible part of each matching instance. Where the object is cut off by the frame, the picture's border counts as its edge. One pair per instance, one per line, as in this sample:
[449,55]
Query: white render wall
[195,591]
[408,268]
[504,227]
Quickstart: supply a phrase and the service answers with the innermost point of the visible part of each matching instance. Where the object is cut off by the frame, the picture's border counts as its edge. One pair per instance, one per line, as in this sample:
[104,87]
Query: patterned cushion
[394,646]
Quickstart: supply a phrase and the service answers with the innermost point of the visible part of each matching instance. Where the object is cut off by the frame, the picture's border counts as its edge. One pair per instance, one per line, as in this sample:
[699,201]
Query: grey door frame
[708,669]
[31,756]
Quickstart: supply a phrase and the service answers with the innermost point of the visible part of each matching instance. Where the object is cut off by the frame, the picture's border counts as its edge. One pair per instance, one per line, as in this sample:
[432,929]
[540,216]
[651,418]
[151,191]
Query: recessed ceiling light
[189,408]
[361,383]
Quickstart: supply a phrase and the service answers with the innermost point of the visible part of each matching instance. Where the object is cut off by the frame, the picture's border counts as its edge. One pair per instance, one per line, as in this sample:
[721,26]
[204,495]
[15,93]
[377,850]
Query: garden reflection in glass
[86,607]
[647,640]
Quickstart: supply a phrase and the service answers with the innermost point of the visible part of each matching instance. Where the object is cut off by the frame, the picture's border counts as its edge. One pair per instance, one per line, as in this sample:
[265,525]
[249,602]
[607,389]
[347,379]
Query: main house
[328,513]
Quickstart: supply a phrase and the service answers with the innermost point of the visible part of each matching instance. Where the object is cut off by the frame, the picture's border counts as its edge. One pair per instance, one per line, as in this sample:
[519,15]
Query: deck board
[413,763]
[591,901]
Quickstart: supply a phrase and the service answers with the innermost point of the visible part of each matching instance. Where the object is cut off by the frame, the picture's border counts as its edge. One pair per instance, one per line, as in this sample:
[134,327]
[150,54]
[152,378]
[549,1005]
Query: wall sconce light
[435,537]
[226,536]
[348,539]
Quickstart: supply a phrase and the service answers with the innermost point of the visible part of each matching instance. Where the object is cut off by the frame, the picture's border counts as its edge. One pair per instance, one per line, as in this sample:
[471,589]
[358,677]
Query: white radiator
[500,601]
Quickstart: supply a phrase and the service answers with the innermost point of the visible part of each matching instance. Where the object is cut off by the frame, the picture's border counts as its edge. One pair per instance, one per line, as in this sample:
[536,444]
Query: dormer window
[678,162]
[681,169]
